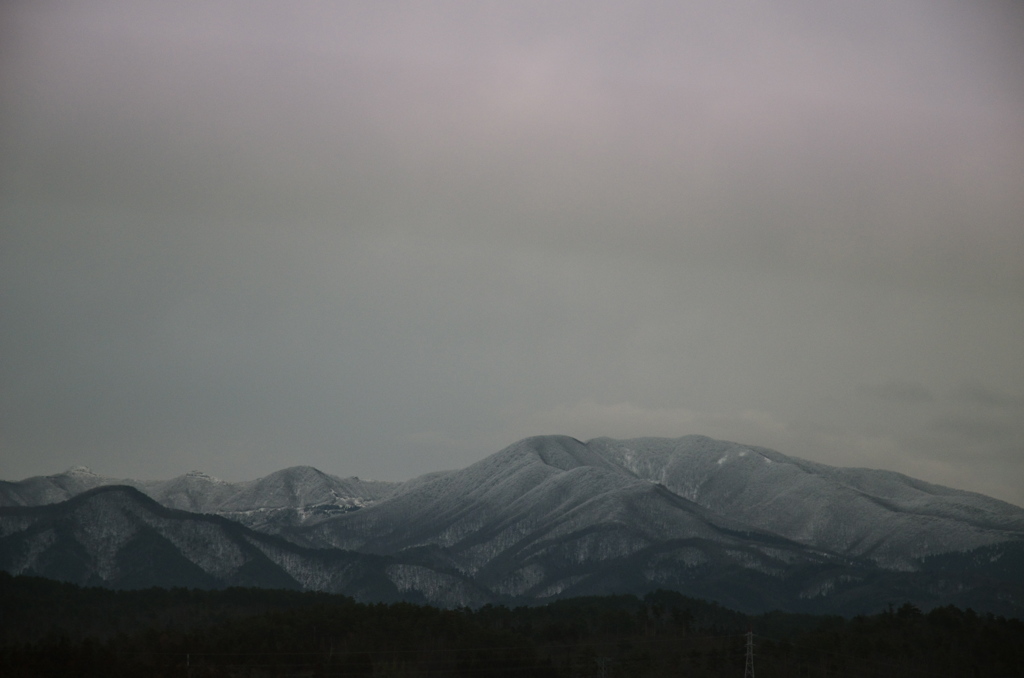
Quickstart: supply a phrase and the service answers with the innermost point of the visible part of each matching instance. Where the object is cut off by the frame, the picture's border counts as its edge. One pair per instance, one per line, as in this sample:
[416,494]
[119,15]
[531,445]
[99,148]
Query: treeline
[52,629]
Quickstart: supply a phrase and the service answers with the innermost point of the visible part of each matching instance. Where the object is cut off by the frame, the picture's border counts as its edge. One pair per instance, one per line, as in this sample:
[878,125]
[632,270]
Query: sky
[389,238]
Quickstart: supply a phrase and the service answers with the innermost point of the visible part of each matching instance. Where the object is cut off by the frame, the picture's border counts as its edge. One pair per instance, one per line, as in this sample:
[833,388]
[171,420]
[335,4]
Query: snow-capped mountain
[292,496]
[887,517]
[116,536]
[52,489]
[882,516]
[553,516]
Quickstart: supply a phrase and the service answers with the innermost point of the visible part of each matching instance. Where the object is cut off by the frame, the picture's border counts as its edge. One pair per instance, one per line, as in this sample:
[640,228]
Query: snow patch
[438,588]
[559,586]
[80,471]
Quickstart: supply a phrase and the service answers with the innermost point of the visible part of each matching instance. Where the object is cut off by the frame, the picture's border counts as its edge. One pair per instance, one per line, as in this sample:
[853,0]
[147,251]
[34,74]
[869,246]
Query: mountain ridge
[98,537]
[551,516]
[263,503]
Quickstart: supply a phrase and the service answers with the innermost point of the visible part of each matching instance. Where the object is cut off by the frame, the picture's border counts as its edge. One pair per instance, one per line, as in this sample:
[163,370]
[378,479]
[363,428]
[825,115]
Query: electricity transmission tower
[748,672]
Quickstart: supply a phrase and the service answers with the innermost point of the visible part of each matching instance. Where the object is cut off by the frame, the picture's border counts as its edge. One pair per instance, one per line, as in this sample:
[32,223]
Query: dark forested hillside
[54,629]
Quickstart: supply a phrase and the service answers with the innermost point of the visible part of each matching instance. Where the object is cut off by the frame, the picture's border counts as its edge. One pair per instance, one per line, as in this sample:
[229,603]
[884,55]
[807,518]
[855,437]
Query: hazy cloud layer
[389,238]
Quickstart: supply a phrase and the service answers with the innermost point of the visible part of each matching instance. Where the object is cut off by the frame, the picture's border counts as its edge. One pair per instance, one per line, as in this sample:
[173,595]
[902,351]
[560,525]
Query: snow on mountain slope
[292,496]
[886,516]
[300,486]
[545,517]
[554,497]
[40,490]
[85,539]
[548,513]
[116,536]
[299,495]
[194,491]
[446,508]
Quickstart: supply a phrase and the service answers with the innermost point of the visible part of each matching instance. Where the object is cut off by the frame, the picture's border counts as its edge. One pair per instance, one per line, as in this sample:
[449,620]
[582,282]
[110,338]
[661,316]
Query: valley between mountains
[545,518]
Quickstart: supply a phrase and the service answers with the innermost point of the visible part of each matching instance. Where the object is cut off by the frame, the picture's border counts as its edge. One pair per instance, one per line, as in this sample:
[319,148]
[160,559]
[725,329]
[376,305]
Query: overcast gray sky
[386,238]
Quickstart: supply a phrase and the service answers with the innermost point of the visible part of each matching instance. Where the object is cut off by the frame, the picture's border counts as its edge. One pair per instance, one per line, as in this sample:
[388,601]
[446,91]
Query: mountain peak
[80,471]
[199,475]
[561,452]
[300,471]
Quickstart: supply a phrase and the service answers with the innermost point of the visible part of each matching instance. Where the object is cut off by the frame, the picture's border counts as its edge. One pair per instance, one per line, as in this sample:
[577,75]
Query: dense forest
[49,628]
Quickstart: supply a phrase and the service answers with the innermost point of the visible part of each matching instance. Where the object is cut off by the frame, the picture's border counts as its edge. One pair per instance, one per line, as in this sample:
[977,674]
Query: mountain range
[546,517]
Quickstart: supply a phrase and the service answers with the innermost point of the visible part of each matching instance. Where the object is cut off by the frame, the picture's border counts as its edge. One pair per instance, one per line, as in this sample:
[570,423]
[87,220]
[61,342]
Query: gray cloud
[978,430]
[898,391]
[979,395]
[390,239]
